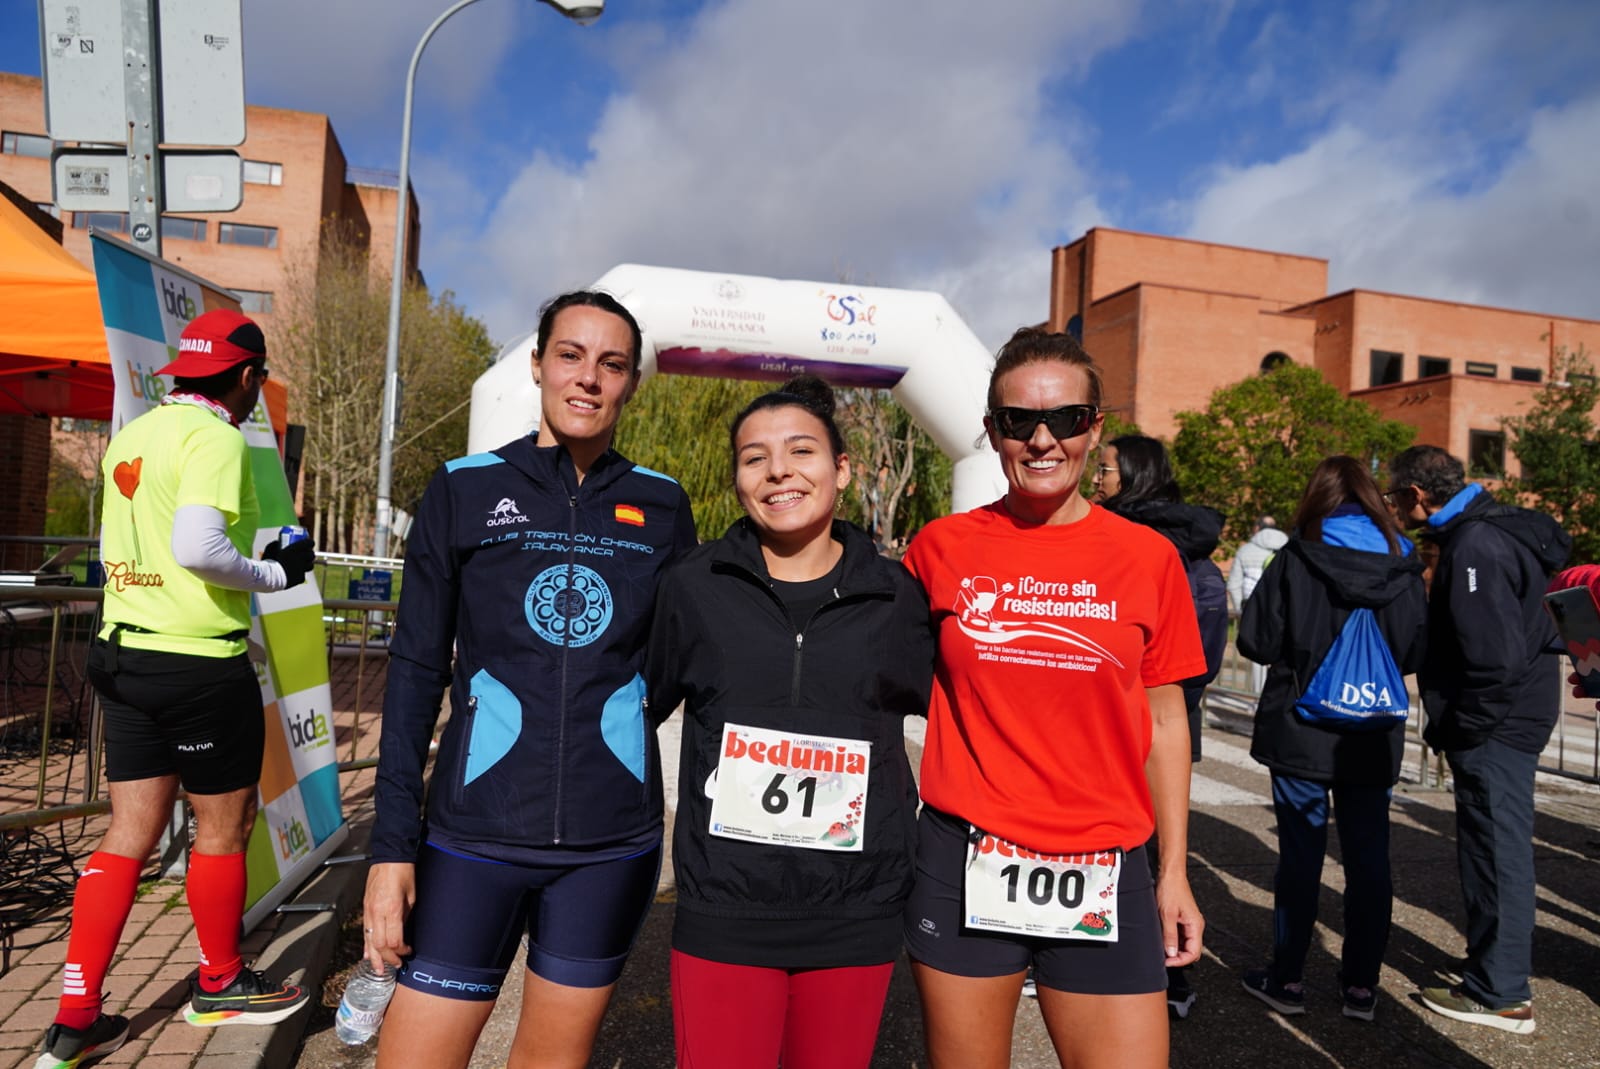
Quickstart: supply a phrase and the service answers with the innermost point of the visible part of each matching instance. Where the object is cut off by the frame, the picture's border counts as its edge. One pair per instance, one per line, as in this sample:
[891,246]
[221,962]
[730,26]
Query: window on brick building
[1387,367]
[114,222]
[175,226]
[261,173]
[254,300]
[1486,453]
[1479,367]
[1274,359]
[13,143]
[1429,366]
[1526,374]
[262,237]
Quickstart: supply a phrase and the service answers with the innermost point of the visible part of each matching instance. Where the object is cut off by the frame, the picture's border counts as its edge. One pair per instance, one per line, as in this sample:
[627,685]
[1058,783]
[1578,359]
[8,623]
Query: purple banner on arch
[773,367]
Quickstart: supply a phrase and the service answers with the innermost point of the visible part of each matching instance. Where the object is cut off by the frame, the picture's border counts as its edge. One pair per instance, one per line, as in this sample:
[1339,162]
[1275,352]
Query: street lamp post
[584,12]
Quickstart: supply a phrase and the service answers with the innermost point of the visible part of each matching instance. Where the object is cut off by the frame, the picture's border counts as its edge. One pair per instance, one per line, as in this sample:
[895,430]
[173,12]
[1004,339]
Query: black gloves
[296,558]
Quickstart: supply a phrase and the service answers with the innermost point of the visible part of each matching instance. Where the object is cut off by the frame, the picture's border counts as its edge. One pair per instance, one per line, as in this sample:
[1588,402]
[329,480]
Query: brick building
[296,179]
[1171,320]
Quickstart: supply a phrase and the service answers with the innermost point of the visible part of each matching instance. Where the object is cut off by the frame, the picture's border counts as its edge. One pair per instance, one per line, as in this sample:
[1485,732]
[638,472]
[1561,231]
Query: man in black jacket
[1492,702]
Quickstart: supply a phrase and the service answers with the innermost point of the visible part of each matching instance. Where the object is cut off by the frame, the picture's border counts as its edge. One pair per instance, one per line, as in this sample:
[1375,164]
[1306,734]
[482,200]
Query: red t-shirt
[1039,725]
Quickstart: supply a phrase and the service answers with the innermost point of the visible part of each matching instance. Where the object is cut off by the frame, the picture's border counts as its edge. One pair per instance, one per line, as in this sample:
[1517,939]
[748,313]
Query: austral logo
[505,514]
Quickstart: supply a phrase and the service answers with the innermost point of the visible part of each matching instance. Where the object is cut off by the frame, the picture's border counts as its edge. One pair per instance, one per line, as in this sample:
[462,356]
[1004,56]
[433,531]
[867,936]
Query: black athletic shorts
[165,713]
[581,916]
[1134,965]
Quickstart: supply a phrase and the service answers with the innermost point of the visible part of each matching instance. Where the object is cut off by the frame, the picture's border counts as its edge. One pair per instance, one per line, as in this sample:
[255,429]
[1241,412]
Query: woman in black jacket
[1346,553]
[797,652]
[1134,479]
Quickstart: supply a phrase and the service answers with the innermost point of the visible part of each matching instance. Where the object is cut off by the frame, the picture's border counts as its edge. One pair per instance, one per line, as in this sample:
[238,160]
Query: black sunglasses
[1067,421]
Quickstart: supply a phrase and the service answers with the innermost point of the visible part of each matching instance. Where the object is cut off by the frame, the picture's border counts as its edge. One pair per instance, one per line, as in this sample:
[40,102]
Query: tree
[895,465]
[1554,441]
[679,425]
[1255,445]
[331,334]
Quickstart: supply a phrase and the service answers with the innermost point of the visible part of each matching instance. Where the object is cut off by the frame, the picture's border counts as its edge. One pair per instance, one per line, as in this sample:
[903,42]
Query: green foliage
[331,335]
[678,425]
[1254,447]
[899,478]
[1555,442]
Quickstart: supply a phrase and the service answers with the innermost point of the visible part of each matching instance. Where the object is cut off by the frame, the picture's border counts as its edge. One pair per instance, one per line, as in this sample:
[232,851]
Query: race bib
[777,787]
[1010,888]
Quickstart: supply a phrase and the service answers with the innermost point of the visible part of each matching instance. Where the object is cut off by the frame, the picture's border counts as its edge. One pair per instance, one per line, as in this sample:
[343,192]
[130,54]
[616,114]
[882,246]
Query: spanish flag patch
[630,514]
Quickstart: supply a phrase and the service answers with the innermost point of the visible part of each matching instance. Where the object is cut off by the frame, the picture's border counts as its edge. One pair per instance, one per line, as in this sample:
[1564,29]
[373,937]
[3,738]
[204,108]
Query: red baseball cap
[215,341]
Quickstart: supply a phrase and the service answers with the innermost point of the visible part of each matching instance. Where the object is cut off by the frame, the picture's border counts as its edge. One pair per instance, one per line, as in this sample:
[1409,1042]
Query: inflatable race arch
[745,327]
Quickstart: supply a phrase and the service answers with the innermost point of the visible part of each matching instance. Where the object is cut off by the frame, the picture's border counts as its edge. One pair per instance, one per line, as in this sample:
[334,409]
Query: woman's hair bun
[817,394]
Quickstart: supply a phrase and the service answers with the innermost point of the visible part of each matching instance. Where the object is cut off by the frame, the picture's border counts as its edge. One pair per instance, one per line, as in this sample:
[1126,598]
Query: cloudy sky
[1447,149]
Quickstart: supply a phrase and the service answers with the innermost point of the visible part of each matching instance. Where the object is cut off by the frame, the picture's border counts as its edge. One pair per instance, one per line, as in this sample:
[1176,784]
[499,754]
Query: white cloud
[1411,189]
[904,142]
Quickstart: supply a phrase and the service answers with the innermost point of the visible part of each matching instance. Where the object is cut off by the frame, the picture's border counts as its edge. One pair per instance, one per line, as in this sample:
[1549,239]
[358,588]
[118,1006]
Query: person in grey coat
[1248,563]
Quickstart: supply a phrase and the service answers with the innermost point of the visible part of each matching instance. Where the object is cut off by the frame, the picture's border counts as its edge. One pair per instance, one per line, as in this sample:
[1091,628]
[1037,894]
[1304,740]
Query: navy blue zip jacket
[544,590]
[1486,675]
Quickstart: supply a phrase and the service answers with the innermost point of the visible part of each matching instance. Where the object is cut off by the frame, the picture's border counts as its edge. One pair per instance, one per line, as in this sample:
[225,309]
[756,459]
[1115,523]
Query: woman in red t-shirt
[1057,744]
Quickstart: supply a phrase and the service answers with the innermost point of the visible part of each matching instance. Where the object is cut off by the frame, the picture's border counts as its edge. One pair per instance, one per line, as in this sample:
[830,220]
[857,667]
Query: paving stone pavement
[1232,856]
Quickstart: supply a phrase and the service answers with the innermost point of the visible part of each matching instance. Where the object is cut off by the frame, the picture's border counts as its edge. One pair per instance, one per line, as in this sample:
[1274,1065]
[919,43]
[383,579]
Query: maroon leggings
[747,1017]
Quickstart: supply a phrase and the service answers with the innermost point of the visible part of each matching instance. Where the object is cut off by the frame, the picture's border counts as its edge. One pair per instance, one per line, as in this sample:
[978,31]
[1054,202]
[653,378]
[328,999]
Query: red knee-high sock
[216,887]
[100,905]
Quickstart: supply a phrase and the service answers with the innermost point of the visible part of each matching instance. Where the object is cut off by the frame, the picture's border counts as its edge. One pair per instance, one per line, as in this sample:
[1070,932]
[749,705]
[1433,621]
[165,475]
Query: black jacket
[1194,531]
[723,644]
[528,595]
[1290,620]
[1485,675]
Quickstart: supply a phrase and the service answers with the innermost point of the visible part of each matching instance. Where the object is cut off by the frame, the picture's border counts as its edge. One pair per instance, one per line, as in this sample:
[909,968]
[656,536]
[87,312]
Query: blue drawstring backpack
[1357,687]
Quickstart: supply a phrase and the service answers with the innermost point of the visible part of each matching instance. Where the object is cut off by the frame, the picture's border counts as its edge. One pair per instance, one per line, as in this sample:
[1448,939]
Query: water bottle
[366,996]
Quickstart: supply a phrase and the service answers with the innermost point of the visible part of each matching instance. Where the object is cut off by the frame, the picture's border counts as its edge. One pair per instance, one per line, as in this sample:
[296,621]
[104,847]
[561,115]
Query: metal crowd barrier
[1573,751]
[46,700]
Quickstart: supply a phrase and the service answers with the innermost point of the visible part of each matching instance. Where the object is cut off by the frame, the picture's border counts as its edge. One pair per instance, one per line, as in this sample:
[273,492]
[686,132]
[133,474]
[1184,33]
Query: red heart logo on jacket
[126,476]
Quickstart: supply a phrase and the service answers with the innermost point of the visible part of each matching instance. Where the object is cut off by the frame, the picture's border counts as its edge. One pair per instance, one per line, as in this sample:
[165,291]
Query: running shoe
[1360,1003]
[1029,988]
[1180,996]
[66,1047]
[1457,1004]
[250,999]
[1287,999]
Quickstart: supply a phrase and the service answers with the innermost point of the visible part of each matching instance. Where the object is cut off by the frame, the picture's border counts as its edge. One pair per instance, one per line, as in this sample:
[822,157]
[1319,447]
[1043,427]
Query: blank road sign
[202,72]
[201,181]
[81,43]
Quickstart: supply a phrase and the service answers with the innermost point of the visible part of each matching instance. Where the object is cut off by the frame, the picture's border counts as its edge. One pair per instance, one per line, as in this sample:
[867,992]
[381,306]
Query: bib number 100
[1042,886]
[774,800]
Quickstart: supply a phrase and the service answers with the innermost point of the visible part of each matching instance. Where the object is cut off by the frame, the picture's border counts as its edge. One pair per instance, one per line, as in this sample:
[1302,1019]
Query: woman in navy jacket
[797,652]
[529,585]
[1346,553]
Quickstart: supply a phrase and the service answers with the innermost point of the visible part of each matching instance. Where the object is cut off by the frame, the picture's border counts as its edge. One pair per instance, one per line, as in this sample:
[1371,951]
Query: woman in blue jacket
[529,585]
[1346,553]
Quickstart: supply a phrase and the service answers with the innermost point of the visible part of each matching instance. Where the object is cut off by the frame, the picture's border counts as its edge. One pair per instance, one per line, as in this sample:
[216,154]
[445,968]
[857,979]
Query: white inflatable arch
[745,327]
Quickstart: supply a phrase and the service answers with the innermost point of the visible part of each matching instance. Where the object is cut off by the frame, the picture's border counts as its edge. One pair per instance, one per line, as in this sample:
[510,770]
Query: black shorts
[1134,965]
[581,917]
[165,713]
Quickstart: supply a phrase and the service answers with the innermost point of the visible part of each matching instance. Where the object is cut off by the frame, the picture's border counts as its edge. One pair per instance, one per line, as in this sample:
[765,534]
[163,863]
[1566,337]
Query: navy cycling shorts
[581,918]
[935,936]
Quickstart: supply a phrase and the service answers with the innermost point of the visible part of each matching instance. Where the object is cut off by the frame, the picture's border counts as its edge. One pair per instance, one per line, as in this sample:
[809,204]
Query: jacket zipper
[566,647]
[466,750]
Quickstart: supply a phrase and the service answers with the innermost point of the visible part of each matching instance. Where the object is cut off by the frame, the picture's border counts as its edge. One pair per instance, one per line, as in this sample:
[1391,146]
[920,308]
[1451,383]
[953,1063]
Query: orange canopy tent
[53,358]
[53,355]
